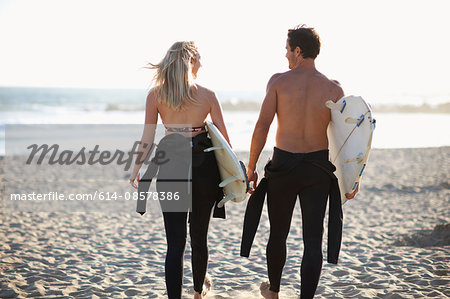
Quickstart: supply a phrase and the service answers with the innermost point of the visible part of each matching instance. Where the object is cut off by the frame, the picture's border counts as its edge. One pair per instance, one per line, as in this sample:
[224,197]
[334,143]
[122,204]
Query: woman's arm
[148,135]
[217,116]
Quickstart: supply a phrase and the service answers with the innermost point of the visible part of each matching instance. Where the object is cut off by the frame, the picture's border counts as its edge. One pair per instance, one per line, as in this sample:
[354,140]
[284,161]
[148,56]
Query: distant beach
[415,125]
[128,100]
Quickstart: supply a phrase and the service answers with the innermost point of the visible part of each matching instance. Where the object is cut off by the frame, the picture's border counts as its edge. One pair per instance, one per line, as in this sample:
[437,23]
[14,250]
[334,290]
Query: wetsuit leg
[312,185]
[175,226]
[313,202]
[281,198]
[205,191]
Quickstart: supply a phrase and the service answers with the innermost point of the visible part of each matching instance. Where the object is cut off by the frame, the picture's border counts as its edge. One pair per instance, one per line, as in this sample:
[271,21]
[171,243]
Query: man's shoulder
[335,88]
[331,83]
[276,78]
[330,88]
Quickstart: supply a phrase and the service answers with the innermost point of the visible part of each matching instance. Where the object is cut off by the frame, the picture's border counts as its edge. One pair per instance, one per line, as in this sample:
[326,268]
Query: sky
[371,47]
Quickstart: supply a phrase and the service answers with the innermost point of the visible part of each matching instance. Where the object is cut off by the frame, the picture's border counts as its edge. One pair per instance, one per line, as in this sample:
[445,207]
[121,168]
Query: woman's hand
[133,178]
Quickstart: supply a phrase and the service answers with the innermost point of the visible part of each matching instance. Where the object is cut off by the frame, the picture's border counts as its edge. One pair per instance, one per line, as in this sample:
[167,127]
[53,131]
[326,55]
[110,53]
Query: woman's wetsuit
[205,193]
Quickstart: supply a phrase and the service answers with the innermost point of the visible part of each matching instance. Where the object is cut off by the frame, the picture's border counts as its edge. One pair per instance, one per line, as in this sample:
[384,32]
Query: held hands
[252,176]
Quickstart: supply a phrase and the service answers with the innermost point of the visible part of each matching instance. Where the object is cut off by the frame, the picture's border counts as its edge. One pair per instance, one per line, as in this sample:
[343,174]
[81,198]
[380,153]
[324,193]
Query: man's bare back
[298,99]
[300,108]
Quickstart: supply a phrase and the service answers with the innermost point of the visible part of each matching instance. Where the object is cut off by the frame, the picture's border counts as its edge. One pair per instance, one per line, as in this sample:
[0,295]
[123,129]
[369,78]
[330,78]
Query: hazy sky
[375,47]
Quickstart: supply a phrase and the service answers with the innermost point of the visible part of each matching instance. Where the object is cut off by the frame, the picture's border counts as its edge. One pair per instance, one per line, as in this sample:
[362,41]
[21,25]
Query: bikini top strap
[186,129]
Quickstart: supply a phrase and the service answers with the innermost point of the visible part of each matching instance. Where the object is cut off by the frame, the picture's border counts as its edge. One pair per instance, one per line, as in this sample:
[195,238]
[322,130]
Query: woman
[179,100]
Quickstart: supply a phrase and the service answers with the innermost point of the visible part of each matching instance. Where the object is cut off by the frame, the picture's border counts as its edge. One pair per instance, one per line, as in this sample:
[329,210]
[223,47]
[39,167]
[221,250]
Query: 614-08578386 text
[97,195]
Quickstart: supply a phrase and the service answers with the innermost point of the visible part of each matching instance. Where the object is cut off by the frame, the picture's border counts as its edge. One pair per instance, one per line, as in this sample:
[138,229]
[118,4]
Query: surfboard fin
[209,149]
[227,181]
[225,200]
[335,106]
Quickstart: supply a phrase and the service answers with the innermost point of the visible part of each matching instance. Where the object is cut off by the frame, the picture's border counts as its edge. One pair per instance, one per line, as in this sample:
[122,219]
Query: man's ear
[298,51]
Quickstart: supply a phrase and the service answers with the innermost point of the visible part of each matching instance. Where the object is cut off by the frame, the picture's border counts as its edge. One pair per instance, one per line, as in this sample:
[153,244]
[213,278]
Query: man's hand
[353,194]
[252,176]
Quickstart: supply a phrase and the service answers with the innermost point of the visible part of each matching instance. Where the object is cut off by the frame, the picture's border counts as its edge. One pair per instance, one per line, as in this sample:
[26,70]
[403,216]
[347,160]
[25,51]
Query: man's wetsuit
[288,175]
[206,193]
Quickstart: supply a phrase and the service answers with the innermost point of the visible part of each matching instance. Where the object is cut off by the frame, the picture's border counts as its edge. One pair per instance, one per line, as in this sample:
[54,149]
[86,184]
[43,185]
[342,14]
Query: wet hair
[173,78]
[306,38]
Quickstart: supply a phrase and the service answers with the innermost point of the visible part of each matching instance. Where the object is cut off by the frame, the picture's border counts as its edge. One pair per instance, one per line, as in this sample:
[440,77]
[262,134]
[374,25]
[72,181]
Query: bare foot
[265,292]
[207,285]
[206,288]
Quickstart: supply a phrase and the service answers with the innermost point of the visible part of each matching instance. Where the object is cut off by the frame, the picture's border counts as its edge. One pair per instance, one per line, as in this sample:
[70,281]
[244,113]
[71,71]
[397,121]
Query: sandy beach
[396,241]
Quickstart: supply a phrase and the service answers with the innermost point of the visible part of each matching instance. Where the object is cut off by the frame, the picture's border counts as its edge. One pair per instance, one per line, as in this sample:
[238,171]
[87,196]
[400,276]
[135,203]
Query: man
[299,166]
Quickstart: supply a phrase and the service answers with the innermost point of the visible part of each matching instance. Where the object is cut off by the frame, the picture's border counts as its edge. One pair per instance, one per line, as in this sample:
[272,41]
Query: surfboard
[350,138]
[232,171]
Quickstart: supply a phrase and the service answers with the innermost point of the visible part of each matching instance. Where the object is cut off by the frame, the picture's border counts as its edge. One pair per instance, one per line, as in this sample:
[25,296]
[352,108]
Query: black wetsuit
[206,193]
[288,175]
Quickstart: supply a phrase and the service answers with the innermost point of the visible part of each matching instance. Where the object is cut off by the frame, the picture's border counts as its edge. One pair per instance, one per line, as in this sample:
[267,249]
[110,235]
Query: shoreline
[243,152]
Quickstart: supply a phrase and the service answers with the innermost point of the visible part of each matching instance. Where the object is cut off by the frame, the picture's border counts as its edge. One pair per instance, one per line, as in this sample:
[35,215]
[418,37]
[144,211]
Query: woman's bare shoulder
[152,99]
[152,92]
[206,95]
[206,92]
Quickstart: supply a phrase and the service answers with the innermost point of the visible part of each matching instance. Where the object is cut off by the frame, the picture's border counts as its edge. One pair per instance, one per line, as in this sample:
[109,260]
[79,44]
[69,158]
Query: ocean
[126,106]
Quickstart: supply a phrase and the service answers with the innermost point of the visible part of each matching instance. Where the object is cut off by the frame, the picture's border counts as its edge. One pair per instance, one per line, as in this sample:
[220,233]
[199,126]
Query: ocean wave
[18,99]
[123,107]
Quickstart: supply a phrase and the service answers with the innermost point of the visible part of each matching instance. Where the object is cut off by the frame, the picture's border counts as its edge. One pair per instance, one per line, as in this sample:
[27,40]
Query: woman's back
[193,114]
[176,98]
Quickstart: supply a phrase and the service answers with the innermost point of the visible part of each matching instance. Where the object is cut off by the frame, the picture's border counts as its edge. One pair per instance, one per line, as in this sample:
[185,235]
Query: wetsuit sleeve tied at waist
[168,144]
[256,202]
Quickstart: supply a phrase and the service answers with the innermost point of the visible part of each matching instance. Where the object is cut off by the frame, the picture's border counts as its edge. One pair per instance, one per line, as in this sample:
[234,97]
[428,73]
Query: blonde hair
[173,79]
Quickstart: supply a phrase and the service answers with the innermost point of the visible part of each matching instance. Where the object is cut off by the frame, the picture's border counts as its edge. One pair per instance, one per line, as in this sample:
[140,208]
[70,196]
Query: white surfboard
[350,138]
[232,172]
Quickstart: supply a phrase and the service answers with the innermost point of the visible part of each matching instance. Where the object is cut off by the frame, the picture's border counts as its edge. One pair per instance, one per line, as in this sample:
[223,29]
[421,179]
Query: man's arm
[266,115]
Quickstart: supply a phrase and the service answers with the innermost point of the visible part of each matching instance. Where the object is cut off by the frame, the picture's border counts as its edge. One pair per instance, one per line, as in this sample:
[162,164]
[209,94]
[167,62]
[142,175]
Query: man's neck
[306,64]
